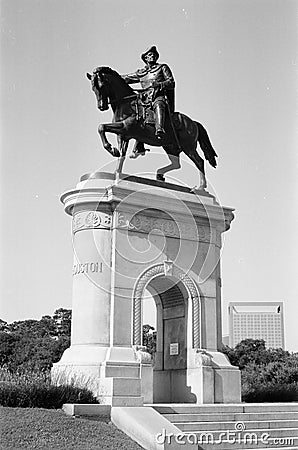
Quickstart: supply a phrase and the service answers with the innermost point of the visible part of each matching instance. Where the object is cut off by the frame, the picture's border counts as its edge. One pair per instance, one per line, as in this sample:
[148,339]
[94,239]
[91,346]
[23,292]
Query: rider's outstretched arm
[131,78]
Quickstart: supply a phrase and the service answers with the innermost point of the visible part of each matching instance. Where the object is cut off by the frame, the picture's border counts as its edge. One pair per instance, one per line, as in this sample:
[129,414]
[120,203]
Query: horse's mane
[104,70]
[107,70]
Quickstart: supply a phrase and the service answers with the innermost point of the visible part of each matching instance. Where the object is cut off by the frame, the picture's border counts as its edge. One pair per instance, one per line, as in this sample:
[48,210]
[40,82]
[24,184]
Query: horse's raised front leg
[104,128]
[175,164]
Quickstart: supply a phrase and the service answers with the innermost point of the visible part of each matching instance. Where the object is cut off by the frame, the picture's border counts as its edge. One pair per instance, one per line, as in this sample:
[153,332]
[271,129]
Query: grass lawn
[36,428]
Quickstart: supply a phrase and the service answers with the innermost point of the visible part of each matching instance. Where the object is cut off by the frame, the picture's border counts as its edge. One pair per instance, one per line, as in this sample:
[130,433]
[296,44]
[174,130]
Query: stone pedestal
[135,234]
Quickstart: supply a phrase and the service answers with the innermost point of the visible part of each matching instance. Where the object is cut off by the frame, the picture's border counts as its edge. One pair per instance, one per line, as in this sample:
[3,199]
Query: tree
[8,343]
[35,344]
[254,351]
[149,338]
[3,325]
[62,319]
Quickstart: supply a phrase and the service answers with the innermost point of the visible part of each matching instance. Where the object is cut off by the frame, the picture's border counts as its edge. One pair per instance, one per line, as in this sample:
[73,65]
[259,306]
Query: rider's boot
[138,150]
[159,120]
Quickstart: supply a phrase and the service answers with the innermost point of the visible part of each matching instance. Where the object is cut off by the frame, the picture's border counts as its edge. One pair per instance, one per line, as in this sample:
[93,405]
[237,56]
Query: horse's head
[99,83]
[108,86]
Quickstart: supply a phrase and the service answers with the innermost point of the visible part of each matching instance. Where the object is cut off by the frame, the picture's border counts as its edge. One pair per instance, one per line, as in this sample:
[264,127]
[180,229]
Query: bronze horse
[182,133]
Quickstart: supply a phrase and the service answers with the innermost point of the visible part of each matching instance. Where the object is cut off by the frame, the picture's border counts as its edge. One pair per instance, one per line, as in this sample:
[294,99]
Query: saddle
[144,108]
[145,112]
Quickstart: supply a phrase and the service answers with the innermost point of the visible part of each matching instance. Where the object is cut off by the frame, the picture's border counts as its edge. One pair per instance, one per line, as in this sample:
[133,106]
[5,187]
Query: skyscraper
[257,320]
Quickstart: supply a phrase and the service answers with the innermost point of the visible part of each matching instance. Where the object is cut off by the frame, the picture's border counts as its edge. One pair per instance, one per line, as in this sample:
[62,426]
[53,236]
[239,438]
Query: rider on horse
[158,83]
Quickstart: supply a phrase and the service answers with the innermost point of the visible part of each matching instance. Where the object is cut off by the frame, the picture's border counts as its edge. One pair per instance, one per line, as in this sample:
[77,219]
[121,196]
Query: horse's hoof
[198,189]
[160,177]
[195,189]
[137,154]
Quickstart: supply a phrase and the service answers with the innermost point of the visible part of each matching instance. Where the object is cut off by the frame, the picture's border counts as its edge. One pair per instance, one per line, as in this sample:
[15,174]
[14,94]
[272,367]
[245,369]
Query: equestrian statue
[148,116]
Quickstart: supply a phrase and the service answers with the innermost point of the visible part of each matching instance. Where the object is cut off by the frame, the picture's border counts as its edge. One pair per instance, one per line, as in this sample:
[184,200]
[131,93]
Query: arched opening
[177,325]
[171,315]
[149,323]
[186,286]
[170,359]
[149,309]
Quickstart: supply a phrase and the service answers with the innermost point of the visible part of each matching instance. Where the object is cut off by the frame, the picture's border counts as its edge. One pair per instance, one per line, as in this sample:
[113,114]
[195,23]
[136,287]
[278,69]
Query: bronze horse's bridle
[106,82]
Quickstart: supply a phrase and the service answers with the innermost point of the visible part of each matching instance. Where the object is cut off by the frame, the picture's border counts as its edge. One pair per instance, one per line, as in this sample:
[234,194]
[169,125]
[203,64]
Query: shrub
[267,375]
[33,389]
[275,382]
[262,380]
[270,393]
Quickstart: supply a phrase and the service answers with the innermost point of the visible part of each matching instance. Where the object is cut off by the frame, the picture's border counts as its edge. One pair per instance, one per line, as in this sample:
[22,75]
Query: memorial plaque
[174,349]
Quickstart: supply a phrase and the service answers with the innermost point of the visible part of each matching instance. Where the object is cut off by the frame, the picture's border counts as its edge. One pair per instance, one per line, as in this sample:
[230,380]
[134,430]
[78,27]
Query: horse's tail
[206,145]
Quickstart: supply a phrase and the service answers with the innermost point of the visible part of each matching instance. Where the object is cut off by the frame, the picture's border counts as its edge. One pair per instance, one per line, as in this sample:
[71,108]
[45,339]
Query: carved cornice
[144,223]
[200,209]
[86,220]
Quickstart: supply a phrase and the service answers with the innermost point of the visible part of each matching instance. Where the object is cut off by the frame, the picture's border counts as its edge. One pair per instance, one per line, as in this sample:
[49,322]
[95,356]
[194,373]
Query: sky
[235,66]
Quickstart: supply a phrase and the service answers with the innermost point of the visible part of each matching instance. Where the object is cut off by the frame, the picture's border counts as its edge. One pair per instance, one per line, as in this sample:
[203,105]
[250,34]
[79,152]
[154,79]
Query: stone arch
[167,268]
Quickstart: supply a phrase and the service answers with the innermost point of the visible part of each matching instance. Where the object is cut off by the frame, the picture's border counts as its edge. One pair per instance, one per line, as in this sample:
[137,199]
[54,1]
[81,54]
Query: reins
[128,97]
[117,100]
[136,95]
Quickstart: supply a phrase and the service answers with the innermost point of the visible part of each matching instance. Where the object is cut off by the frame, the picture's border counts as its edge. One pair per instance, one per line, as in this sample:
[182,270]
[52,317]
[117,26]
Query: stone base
[210,378]
[110,390]
[113,382]
[171,386]
[215,384]
[227,380]
[201,380]
[121,400]
[147,383]
[227,385]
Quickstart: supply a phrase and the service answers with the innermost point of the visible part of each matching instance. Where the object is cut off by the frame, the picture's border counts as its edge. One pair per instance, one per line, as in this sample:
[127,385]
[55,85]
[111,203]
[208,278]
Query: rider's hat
[152,49]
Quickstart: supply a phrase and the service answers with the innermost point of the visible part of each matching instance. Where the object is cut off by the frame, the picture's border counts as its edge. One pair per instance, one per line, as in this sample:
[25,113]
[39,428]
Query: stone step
[240,434]
[270,425]
[87,409]
[196,409]
[249,425]
[154,430]
[238,417]
[289,443]
[271,407]
[228,408]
